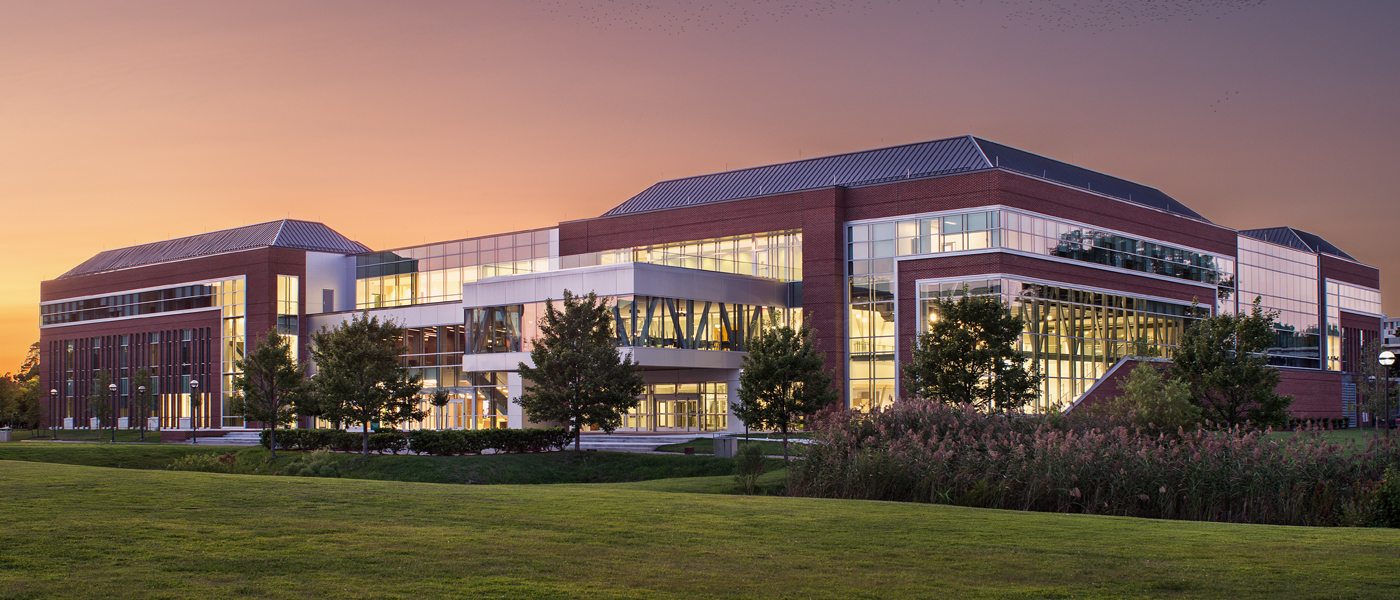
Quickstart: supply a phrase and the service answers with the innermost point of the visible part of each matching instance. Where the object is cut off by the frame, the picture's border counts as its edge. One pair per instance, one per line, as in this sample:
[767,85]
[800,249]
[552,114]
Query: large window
[1284,280]
[233,335]
[1072,335]
[479,402]
[872,249]
[680,406]
[641,321]
[184,297]
[436,272]
[1351,298]
[772,255]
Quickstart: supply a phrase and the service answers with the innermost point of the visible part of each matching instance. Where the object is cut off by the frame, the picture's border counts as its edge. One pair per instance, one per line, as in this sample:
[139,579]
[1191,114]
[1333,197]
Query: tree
[358,378]
[579,378]
[1224,359]
[1150,401]
[98,399]
[439,400]
[269,385]
[782,379]
[1372,387]
[29,402]
[9,399]
[142,401]
[969,356]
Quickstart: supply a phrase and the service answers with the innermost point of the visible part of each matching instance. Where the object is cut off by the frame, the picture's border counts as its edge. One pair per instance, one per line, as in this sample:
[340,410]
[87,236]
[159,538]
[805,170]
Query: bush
[1385,508]
[749,463]
[207,463]
[922,452]
[1147,400]
[425,441]
[320,463]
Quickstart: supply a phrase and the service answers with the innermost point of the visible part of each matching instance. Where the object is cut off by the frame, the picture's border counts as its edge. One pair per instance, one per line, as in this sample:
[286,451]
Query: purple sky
[398,123]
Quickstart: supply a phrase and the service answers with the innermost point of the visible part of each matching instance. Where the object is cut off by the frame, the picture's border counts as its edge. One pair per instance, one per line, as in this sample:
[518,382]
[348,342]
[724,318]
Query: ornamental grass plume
[926,452]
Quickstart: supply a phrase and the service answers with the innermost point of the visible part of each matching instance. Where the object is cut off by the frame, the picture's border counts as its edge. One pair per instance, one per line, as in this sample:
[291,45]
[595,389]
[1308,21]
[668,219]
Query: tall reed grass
[925,452]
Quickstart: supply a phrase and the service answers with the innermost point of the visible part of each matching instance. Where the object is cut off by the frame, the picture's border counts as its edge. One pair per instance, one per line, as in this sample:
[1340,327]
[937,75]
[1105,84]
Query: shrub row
[438,443]
[925,452]
[475,441]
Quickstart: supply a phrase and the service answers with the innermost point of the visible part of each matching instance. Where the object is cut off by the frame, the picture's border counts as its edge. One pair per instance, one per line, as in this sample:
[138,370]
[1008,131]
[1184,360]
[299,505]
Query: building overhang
[646,358]
[626,279]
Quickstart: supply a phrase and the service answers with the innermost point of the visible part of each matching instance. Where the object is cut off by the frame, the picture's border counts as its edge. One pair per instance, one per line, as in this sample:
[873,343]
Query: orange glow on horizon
[132,122]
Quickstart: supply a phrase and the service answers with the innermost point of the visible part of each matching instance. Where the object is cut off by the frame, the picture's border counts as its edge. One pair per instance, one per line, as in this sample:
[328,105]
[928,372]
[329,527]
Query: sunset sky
[397,123]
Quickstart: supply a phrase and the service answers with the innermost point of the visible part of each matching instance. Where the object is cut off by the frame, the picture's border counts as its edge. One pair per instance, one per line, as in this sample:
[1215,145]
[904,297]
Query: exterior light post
[194,411]
[1386,359]
[112,416]
[141,393]
[53,414]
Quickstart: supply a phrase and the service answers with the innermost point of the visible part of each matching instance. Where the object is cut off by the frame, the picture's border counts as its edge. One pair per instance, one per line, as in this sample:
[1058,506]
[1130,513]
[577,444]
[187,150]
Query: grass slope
[70,531]
[552,467]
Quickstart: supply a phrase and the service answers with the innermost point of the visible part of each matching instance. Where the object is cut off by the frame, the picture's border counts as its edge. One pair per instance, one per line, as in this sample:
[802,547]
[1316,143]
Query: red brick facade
[260,267]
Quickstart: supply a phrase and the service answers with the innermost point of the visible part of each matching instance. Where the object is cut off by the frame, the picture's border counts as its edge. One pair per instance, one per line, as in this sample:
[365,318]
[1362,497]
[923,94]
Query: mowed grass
[75,531]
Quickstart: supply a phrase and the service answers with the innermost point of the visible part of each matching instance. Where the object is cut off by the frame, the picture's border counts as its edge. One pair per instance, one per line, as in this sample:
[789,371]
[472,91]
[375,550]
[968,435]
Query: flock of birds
[676,17]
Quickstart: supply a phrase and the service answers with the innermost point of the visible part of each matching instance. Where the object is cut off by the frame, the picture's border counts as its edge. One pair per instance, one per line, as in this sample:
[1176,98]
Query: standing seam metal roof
[869,167]
[287,233]
[1296,239]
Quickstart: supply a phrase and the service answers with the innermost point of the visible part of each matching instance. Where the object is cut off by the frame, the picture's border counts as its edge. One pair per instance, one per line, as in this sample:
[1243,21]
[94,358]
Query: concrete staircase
[234,438]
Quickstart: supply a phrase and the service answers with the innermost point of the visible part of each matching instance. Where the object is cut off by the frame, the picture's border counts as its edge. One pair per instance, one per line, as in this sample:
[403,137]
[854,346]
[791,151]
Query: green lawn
[1342,436]
[75,531]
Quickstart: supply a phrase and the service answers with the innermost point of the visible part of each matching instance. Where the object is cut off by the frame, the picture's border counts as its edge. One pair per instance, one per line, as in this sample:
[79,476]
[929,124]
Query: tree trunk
[578,435]
[785,444]
[364,444]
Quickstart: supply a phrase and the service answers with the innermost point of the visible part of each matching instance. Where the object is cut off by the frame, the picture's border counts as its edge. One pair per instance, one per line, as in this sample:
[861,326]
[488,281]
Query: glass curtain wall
[435,353]
[1351,298]
[1285,280]
[1073,336]
[639,321]
[479,402]
[771,255]
[436,272]
[873,248]
[680,407]
[184,297]
[230,297]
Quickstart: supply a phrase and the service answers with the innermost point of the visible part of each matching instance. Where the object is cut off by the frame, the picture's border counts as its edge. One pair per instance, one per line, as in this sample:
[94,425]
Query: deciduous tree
[969,355]
[1153,402]
[782,379]
[1224,359]
[269,385]
[579,378]
[358,378]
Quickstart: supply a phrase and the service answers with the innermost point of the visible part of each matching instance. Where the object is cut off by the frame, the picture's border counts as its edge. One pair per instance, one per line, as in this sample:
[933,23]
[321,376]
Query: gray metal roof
[1036,165]
[1296,239]
[287,233]
[869,167]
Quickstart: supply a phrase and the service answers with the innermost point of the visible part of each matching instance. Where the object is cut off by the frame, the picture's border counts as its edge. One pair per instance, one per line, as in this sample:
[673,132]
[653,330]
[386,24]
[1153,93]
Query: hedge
[424,441]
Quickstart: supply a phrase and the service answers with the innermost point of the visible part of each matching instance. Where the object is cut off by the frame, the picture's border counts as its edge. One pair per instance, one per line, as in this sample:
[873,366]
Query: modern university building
[858,246]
